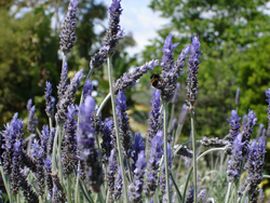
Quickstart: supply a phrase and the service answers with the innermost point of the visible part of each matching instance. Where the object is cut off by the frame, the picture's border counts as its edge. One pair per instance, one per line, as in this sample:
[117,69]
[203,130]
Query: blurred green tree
[235,53]
[29,48]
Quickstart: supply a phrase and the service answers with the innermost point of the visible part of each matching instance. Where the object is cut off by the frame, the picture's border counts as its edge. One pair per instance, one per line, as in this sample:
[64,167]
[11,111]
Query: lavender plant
[82,156]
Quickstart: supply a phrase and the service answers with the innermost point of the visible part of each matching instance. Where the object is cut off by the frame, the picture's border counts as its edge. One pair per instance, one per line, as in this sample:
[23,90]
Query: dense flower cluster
[76,157]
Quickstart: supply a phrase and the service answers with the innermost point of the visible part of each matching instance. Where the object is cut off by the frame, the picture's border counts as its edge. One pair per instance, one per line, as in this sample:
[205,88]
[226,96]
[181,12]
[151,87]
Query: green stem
[69,189]
[186,184]
[165,149]
[266,176]
[180,198]
[103,103]
[228,192]
[119,148]
[54,161]
[76,195]
[194,161]
[211,150]
[5,183]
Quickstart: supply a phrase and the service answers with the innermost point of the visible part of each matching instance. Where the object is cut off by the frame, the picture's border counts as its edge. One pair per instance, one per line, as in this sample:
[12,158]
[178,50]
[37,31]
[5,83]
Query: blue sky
[139,19]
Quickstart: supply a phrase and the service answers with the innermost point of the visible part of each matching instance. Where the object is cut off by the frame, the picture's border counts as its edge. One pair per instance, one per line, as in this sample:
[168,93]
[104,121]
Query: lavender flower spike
[137,146]
[168,48]
[107,133]
[234,126]
[254,167]
[249,122]
[68,97]
[136,187]
[118,187]
[88,153]
[170,70]
[112,37]
[50,100]
[153,164]
[32,119]
[124,129]
[62,86]
[128,79]
[69,145]
[112,170]
[16,166]
[154,117]
[67,34]
[192,80]
[12,130]
[235,160]
[87,88]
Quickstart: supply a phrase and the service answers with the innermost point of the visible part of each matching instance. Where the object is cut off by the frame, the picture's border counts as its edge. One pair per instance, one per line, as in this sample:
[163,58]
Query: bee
[155,79]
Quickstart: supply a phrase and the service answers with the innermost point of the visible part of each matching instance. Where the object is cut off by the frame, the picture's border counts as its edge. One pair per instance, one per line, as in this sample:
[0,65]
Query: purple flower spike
[124,129]
[39,156]
[68,97]
[45,136]
[156,153]
[128,79]
[192,80]
[170,70]
[13,131]
[112,170]
[114,34]
[236,158]
[249,122]
[62,86]
[118,187]
[254,166]
[107,134]
[136,187]
[137,147]
[86,136]
[190,195]
[32,119]
[87,88]
[154,116]
[16,166]
[234,126]
[67,34]
[168,48]
[50,100]
[69,145]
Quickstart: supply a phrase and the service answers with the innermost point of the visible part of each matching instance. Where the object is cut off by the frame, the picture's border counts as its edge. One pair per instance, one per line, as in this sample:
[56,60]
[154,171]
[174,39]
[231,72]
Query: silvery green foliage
[67,33]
